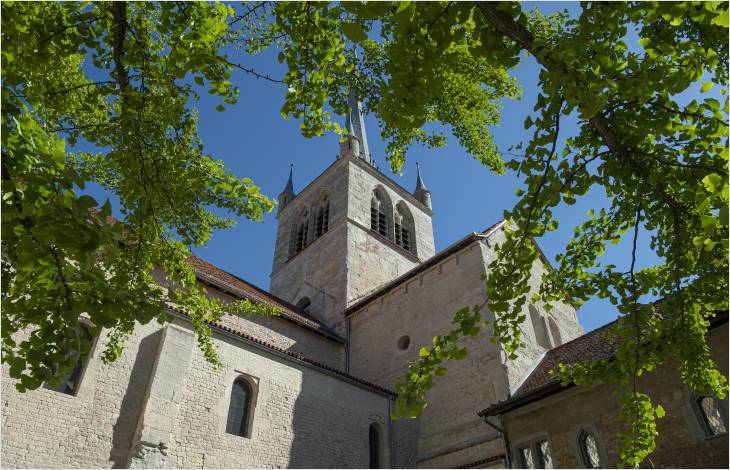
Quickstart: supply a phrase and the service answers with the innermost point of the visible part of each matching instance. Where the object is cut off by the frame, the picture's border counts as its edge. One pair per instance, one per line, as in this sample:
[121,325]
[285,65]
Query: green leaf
[707,86]
[354,32]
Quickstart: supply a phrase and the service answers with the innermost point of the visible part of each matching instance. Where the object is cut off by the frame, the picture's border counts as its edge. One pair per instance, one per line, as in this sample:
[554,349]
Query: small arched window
[239,408]
[322,222]
[540,327]
[555,332]
[588,445]
[70,382]
[304,304]
[378,218]
[404,228]
[374,446]
[713,414]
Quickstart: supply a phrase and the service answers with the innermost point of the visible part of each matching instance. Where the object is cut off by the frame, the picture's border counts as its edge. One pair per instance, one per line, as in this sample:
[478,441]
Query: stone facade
[349,260]
[682,443]
[420,306]
[162,405]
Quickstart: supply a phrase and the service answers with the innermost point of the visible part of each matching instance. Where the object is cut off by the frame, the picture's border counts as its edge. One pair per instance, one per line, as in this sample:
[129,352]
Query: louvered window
[323,219]
[301,238]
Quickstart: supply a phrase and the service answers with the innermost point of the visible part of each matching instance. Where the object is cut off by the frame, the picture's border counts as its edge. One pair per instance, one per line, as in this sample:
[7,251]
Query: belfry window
[378,219]
[300,233]
[70,382]
[239,408]
[323,218]
[403,225]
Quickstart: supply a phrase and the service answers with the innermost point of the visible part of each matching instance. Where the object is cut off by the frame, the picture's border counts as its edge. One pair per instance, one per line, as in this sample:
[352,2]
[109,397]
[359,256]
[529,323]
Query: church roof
[435,259]
[266,345]
[239,288]
[592,346]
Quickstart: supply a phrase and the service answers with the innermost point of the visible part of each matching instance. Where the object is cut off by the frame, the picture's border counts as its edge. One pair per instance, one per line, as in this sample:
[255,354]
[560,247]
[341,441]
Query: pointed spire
[289,188]
[422,193]
[287,195]
[419,181]
[356,125]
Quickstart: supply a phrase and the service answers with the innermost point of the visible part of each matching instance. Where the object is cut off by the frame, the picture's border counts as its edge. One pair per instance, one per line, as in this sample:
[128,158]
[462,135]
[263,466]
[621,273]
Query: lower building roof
[592,346]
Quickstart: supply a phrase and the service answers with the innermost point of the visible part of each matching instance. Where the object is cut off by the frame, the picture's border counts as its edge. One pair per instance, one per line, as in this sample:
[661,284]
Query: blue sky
[256,142]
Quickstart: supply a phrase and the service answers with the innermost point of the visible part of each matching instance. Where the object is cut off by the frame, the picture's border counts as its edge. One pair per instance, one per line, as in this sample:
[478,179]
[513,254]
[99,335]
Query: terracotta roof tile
[592,346]
[267,345]
[236,286]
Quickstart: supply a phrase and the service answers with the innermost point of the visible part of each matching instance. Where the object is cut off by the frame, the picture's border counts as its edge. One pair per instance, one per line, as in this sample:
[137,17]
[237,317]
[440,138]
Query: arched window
[404,233]
[239,408]
[555,332]
[300,232]
[70,382]
[322,222]
[304,303]
[589,453]
[378,218]
[374,446]
[713,415]
[540,327]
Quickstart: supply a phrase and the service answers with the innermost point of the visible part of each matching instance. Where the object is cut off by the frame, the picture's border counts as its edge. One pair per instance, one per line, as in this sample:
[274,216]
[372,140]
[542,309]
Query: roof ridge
[294,314]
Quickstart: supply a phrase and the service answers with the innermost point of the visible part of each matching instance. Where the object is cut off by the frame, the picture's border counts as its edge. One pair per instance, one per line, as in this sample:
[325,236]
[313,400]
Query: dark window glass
[374,447]
[398,235]
[71,381]
[239,408]
[373,219]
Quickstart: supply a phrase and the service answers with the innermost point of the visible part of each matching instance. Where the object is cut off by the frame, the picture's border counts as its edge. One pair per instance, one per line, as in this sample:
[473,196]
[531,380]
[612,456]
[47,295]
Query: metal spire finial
[355,125]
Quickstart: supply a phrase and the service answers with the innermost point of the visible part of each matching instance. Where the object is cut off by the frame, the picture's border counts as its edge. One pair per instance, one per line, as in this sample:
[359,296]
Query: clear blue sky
[256,142]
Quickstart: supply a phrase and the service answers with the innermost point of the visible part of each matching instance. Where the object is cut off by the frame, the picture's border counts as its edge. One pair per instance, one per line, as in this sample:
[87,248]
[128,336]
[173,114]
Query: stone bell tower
[348,232]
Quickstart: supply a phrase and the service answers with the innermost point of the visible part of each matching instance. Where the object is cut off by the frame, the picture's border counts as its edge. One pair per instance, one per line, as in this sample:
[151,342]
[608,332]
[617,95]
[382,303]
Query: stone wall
[163,405]
[319,270]
[363,180]
[450,432]
[422,306]
[680,444]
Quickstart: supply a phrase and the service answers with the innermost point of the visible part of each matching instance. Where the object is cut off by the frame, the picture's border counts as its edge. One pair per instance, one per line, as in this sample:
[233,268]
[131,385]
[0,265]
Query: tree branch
[505,25]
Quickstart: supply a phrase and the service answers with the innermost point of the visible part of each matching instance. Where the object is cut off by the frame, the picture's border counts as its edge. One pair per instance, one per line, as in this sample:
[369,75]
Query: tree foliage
[100,93]
[660,159]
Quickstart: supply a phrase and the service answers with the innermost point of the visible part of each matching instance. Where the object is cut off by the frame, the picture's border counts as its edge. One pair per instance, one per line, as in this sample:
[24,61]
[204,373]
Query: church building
[360,290]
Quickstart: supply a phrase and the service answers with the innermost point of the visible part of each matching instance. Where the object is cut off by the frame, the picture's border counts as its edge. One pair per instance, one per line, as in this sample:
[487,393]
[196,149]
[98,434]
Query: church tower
[348,232]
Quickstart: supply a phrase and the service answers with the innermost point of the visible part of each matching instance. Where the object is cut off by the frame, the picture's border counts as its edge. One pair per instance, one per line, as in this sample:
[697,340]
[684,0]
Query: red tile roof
[239,288]
[272,347]
[592,346]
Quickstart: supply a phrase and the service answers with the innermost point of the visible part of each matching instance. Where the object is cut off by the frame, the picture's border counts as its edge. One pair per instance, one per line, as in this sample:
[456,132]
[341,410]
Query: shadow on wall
[330,430]
[133,402]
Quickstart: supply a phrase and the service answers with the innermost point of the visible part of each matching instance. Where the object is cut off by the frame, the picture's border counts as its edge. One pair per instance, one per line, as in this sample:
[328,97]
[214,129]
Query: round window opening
[404,342]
